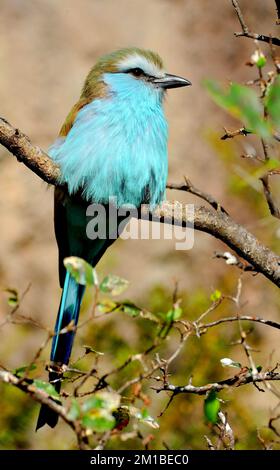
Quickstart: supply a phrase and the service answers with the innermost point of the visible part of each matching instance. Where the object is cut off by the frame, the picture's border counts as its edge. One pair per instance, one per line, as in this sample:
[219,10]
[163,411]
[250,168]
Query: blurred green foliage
[188,418]
[244,103]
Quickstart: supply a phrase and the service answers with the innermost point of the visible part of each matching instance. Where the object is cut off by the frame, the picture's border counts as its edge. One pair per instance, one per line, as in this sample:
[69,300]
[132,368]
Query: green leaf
[13,298]
[81,271]
[261,62]
[102,400]
[20,371]
[131,309]
[243,103]
[99,423]
[107,306]
[134,311]
[144,417]
[272,101]
[259,59]
[74,411]
[174,314]
[113,285]
[47,387]
[215,296]
[93,403]
[211,407]
[97,411]
[89,349]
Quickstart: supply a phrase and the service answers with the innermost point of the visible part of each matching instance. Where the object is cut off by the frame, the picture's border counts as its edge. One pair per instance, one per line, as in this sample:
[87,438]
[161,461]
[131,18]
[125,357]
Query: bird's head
[132,73]
[127,71]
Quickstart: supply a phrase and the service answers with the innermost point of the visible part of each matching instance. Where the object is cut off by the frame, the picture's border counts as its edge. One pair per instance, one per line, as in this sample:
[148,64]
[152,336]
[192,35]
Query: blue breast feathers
[117,146]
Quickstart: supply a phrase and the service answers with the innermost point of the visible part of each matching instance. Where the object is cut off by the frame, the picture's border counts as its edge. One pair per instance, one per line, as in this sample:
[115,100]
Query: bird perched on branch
[112,144]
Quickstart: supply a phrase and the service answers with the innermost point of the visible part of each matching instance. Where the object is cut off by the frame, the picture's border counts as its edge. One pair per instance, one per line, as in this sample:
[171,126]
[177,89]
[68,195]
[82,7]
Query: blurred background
[46,49]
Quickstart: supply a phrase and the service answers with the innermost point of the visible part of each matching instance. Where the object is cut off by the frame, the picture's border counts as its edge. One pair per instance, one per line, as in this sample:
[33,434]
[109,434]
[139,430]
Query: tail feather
[46,415]
[69,310]
[68,313]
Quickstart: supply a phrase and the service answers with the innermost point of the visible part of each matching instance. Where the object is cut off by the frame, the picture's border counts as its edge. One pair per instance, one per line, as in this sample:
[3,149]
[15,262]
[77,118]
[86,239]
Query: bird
[113,144]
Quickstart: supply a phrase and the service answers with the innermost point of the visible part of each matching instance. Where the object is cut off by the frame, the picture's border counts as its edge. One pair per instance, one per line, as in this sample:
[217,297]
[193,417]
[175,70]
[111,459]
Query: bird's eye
[136,72]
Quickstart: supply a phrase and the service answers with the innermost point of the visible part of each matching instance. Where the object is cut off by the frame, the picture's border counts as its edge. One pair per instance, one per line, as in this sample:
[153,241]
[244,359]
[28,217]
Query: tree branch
[246,32]
[26,385]
[33,157]
[215,223]
[224,228]
[244,378]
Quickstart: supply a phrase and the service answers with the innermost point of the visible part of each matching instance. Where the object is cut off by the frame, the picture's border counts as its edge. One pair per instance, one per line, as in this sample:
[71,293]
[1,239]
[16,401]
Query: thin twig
[190,188]
[236,6]
[246,32]
[274,209]
[273,324]
[231,134]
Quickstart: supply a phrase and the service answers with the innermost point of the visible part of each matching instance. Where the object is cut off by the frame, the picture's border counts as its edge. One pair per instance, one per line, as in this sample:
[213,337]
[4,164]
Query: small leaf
[94,402]
[174,314]
[211,407]
[105,400]
[227,362]
[258,58]
[144,417]
[215,296]
[107,306]
[89,349]
[81,271]
[113,285]
[20,371]
[134,311]
[47,387]
[13,298]
[131,309]
[97,411]
[99,423]
[74,411]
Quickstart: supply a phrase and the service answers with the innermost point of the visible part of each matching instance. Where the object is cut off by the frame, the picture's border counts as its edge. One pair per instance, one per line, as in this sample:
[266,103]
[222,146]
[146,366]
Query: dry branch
[203,327]
[244,378]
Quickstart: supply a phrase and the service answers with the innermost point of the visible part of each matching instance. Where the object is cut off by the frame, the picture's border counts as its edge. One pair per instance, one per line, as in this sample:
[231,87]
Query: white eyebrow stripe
[141,62]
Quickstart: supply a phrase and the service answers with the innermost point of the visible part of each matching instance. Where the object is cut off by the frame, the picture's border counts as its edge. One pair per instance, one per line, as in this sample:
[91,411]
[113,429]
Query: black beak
[171,81]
